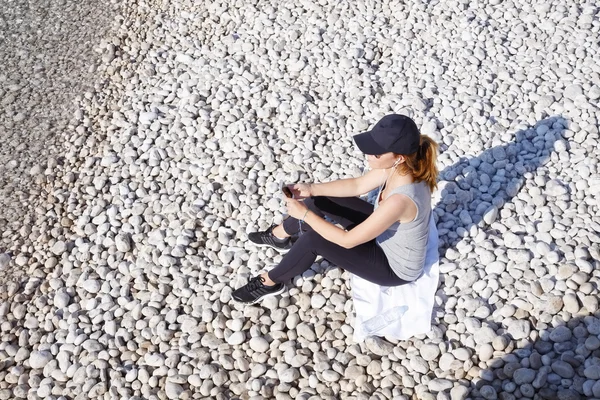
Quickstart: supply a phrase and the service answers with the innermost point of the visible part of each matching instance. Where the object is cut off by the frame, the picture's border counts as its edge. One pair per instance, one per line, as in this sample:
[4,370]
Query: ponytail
[422,164]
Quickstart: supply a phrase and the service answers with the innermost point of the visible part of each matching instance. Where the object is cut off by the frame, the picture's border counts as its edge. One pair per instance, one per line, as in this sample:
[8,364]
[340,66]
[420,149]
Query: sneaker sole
[261,298]
[282,251]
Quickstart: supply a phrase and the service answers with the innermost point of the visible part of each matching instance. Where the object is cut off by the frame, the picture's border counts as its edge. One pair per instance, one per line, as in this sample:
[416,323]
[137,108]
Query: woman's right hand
[301,190]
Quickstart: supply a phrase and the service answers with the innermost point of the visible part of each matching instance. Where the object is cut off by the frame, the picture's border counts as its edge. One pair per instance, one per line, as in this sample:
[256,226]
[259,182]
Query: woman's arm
[349,187]
[390,211]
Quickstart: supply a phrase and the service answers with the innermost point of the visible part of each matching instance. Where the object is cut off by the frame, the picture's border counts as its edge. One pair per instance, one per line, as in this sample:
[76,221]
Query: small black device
[287,192]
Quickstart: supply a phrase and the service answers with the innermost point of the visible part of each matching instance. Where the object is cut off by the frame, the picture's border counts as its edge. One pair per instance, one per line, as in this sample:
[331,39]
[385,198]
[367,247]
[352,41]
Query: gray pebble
[39,359]
[92,285]
[61,299]
[429,352]
[560,334]
[459,393]
[331,376]
[59,247]
[484,335]
[419,365]
[571,303]
[289,375]
[259,344]
[439,385]
[123,243]
[519,329]
[379,346]
[173,390]
[523,375]
[488,392]
[4,260]
[563,369]
[236,338]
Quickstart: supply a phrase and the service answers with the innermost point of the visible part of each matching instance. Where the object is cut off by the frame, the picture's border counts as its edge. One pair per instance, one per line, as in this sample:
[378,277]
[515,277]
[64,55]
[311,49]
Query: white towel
[398,312]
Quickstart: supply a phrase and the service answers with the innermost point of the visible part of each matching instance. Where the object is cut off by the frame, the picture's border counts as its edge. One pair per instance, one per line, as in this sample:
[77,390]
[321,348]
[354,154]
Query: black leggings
[366,260]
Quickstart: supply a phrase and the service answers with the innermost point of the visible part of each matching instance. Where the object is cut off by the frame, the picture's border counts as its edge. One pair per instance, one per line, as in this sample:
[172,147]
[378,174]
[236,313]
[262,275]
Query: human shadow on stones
[472,192]
[542,357]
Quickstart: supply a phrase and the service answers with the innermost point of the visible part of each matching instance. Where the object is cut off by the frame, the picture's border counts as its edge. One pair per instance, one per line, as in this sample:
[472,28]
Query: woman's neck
[396,179]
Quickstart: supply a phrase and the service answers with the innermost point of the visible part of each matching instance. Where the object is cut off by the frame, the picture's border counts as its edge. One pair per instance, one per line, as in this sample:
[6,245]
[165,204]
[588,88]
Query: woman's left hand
[295,208]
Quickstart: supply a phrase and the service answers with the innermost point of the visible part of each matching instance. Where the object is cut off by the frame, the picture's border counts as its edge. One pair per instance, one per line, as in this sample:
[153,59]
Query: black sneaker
[266,238]
[256,290]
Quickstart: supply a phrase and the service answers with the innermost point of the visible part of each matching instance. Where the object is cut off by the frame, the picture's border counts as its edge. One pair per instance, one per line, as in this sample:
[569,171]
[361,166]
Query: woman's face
[383,161]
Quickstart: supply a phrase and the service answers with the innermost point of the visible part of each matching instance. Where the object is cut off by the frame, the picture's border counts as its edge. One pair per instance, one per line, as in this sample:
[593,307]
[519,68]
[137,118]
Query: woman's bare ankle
[266,280]
[279,232]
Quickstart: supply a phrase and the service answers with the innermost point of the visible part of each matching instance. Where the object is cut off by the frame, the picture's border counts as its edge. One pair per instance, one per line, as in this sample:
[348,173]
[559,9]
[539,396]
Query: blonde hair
[422,164]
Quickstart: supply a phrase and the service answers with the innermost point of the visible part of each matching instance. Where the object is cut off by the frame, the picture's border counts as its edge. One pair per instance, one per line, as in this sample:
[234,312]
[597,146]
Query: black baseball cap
[393,133]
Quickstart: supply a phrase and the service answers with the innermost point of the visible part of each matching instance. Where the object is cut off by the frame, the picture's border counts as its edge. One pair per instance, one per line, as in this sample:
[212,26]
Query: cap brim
[367,145]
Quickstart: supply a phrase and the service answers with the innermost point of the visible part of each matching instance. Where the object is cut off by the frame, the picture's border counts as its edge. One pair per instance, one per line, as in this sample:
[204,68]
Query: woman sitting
[383,243]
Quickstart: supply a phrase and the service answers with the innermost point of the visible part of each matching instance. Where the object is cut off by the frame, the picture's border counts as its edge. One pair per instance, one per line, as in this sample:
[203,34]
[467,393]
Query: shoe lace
[266,234]
[255,283]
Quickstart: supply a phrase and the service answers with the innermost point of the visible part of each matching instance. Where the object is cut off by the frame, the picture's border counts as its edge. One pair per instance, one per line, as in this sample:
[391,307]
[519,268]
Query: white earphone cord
[390,174]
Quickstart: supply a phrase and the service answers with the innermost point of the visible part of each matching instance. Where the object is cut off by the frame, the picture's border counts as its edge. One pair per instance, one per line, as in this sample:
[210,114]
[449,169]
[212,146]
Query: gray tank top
[405,245]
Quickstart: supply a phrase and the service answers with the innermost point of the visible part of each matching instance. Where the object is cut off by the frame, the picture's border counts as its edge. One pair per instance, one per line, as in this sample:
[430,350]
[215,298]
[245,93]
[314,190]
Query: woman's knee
[322,204]
[311,239]
[316,244]
[310,203]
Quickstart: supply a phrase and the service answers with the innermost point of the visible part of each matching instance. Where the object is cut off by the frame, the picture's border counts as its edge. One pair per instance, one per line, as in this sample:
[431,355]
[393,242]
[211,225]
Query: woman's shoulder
[415,191]
[405,187]
[422,185]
